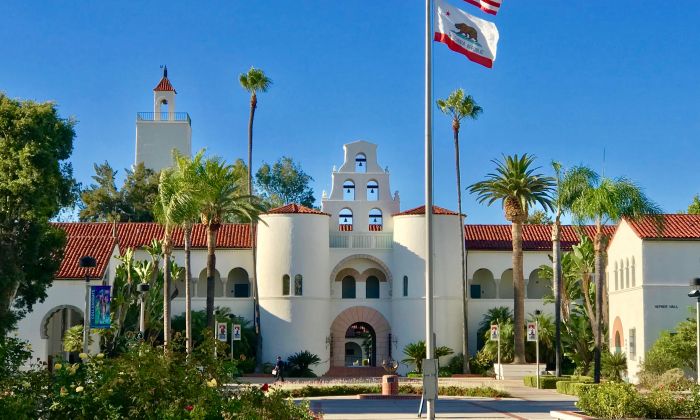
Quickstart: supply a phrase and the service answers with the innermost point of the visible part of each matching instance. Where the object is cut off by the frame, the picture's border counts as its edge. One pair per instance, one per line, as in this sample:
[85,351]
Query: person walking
[277,371]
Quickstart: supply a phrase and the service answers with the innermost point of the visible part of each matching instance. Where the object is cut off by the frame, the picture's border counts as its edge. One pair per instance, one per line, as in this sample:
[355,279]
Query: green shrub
[299,364]
[546,381]
[611,401]
[662,405]
[614,366]
[673,380]
[456,363]
[570,387]
[691,406]
[444,372]
[414,375]
[335,390]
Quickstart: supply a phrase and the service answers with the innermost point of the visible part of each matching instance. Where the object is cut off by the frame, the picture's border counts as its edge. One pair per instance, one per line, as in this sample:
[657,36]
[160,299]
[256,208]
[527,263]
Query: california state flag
[476,38]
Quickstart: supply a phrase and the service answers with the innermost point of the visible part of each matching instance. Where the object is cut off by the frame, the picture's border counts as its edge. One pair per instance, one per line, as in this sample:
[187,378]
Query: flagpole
[429,337]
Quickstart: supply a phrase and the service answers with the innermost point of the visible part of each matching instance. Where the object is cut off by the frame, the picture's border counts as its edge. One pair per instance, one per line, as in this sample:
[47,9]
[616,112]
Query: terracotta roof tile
[421,210]
[164,85]
[96,240]
[295,209]
[674,226]
[535,237]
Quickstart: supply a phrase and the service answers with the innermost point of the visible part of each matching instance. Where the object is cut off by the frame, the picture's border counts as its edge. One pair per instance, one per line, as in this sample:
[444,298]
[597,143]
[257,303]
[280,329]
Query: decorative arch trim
[385,268]
[355,314]
[43,327]
[617,328]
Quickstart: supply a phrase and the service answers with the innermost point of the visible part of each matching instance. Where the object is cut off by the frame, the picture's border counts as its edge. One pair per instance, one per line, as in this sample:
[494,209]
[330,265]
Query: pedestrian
[277,371]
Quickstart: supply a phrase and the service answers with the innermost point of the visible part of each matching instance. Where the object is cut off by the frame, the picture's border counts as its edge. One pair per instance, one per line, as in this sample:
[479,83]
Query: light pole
[696,294]
[86,262]
[537,345]
[142,289]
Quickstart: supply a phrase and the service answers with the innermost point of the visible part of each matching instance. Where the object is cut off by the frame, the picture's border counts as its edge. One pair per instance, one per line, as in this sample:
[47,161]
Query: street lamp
[86,262]
[537,345]
[142,289]
[695,293]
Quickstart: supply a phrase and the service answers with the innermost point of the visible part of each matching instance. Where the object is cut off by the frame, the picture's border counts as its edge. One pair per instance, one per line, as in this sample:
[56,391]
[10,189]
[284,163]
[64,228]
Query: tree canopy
[694,207]
[36,182]
[284,182]
[134,202]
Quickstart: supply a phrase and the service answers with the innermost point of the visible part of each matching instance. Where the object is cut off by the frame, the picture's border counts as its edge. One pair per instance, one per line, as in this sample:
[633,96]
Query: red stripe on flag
[445,39]
[496,4]
[477,3]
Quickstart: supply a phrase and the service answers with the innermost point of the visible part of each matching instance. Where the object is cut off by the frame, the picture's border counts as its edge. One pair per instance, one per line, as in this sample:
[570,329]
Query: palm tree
[415,354]
[568,188]
[516,185]
[188,210]
[220,199]
[164,213]
[254,81]
[459,107]
[602,201]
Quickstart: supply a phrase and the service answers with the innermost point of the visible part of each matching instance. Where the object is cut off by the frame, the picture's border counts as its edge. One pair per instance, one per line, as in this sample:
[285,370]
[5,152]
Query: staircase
[355,372]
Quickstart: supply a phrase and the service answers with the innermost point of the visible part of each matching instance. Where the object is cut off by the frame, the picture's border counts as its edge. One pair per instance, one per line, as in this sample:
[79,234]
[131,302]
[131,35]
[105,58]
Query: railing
[163,116]
[361,240]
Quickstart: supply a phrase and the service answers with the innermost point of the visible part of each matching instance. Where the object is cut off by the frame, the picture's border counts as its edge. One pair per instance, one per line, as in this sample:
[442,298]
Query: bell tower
[159,132]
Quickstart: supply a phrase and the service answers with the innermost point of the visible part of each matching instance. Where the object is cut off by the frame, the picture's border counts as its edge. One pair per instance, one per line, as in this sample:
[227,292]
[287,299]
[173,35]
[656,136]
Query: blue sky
[571,79]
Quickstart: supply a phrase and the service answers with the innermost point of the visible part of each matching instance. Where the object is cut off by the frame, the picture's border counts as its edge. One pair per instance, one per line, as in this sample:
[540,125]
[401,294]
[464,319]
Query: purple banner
[99,307]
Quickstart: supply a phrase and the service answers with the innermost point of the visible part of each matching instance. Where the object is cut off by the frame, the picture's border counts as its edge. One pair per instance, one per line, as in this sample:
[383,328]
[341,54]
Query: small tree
[415,353]
[614,366]
[300,363]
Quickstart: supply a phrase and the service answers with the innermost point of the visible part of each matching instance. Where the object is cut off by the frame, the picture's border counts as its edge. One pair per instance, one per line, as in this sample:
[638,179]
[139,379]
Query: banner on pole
[222,331]
[99,307]
[495,332]
[531,331]
[487,6]
[236,332]
[475,38]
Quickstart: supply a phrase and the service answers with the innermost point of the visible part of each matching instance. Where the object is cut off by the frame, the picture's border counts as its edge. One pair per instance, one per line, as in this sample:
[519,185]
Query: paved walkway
[526,403]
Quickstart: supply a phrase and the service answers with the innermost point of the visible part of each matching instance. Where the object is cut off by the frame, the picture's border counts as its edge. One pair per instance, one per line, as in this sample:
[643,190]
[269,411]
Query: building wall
[155,141]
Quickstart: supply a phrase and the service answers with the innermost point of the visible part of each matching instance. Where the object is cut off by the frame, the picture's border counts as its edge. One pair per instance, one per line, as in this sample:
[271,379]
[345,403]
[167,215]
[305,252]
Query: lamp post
[232,317]
[86,262]
[537,345]
[696,294]
[142,289]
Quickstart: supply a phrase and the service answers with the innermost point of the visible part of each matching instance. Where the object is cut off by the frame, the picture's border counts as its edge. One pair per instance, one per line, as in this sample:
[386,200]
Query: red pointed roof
[295,209]
[535,237]
[421,210]
[672,226]
[164,85]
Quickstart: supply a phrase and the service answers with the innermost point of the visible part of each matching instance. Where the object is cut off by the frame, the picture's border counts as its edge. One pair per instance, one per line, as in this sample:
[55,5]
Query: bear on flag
[476,38]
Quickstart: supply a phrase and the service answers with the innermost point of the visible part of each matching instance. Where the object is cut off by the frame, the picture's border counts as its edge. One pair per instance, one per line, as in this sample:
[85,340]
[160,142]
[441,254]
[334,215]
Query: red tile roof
[96,240]
[673,226]
[295,209]
[421,210]
[535,237]
[164,85]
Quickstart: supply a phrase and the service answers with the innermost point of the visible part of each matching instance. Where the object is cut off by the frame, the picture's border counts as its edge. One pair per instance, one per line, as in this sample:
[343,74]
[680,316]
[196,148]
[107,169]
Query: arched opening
[375,220]
[362,334]
[53,328]
[202,284]
[285,285]
[372,287]
[537,287]
[348,190]
[360,163]
[634,283]
[353,354]
[618,342]
[483,285]
[178,286]
[617,281]
[405,285]
[345,220]
[372,190]
[617,334]
[163,109]
[627,272]
[238,283]
[505,288]
[349,288]
[298,283]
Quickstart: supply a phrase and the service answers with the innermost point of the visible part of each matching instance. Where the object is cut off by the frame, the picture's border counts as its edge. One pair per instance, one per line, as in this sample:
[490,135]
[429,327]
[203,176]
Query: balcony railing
[164,116]
[361,240]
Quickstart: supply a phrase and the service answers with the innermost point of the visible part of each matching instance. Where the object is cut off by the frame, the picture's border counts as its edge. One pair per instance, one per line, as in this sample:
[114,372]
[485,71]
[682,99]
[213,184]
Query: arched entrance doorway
[53,328]
[360,333]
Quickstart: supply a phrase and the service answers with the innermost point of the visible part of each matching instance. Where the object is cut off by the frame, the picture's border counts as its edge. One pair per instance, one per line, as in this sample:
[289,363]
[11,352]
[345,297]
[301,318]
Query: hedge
[452,391]
[570,387]
[550,382]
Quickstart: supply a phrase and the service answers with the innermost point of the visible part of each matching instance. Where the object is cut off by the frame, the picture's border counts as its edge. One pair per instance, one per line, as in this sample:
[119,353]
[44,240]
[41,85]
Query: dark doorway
[363,334]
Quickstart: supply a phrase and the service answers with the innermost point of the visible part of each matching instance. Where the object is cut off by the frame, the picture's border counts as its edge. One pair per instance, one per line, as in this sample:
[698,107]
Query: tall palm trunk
[211,269]
[518,293]
[253,234]
[187,232]
[599,289]
[465,308]
[557,284]
[167,250]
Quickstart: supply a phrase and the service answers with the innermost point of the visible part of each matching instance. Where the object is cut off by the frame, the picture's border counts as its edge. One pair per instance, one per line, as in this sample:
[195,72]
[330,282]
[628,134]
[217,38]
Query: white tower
[161,131]
[360,199]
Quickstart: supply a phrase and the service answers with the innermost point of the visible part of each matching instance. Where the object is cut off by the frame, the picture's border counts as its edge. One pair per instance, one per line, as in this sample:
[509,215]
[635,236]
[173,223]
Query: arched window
[405,285]
[238,283]
[627,272]
[348,190]
[360,163]
[298,283]
[348,287]
[537,287]
[505,287]
[202,284]
[285,285]
[616,279]
[345,220]
[163,109]
[375,220]
[372,288]
[372,190]
[483,285]
[632,270]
